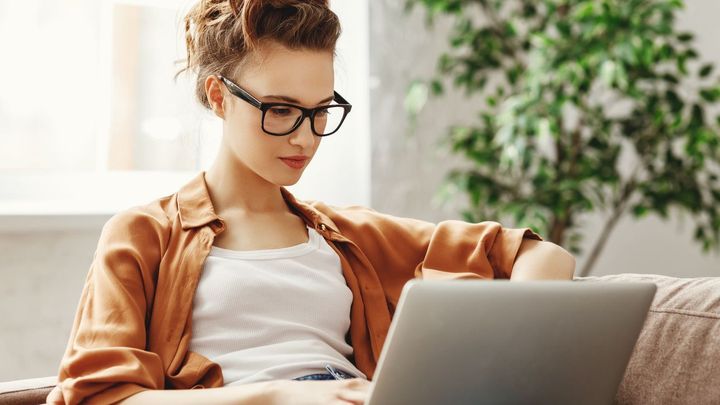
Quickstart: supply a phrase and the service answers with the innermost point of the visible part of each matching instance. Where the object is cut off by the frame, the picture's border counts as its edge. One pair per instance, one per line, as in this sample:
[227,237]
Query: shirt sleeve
[402,248]
[472,250]
[106,358]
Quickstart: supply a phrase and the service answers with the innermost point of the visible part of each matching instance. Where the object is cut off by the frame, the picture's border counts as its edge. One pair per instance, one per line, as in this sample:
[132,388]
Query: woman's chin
[288,183]
[288,180]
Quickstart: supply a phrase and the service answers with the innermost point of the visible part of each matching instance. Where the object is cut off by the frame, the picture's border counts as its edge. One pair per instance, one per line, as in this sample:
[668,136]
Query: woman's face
[275,74]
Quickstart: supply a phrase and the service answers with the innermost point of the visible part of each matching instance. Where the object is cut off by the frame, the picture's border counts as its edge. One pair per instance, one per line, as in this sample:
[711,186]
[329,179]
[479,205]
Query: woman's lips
[294,163]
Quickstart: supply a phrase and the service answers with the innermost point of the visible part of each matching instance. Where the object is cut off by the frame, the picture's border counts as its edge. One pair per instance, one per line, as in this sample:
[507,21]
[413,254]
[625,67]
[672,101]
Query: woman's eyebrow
[294,101]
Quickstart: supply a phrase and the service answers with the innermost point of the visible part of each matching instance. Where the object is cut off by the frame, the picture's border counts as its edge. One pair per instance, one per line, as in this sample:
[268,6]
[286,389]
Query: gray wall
[41,278]
[408,166]
[42,274]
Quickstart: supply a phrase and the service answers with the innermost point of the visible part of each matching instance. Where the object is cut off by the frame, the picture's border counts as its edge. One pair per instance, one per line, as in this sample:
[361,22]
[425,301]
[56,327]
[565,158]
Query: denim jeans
[332,374]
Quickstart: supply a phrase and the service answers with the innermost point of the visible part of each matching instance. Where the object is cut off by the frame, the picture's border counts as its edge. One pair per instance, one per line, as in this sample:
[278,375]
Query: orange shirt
[133,322]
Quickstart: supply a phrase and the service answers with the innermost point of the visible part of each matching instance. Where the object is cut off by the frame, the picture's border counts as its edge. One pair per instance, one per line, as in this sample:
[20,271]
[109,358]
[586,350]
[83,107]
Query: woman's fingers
[354,397]
[355,391]
[356,383]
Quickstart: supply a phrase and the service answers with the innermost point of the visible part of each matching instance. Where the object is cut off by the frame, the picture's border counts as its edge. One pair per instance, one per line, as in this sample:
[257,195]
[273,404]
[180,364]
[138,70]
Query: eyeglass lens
[282,119]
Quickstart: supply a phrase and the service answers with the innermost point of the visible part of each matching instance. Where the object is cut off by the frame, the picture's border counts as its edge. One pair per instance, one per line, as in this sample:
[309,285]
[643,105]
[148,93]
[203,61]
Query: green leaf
[685,37]
[710,95]
[706,70]
[640,211]
[681,64]
[436,87]
[607,72]
[670,78]
[676,104]
[691,54]
[416,97]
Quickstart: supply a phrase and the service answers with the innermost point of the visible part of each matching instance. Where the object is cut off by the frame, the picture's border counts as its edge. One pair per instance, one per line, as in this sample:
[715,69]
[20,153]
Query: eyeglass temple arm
[340,99]
[241,93]
[257,103]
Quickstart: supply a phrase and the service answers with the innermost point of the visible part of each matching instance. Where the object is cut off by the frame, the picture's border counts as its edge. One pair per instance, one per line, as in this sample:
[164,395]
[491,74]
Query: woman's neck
[234,187]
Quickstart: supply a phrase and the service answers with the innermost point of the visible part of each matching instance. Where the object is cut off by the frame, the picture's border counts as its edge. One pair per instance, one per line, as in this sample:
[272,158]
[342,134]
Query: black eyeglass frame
[239,92]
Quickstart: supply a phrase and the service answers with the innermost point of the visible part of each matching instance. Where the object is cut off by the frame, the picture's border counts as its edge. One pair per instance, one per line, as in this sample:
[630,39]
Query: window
[89,87]
[88,95]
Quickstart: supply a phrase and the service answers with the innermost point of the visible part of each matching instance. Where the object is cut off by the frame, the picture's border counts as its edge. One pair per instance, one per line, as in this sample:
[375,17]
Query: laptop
[500,342]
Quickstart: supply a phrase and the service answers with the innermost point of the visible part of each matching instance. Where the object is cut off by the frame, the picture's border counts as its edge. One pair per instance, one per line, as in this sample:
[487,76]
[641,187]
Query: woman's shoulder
[155,217]
[136,237]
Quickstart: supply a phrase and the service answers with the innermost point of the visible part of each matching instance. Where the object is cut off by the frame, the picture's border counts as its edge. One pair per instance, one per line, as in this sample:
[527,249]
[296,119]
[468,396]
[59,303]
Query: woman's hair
[222,34]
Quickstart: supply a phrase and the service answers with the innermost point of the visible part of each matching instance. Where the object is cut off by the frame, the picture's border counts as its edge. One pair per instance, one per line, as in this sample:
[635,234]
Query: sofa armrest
[32,391]
[676,359]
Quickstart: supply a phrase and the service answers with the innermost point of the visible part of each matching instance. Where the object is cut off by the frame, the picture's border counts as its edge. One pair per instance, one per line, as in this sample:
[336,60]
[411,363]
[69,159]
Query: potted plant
[589,106]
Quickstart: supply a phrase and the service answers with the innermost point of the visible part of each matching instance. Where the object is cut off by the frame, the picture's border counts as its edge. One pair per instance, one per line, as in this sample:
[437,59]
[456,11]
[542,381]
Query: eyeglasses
[280,119]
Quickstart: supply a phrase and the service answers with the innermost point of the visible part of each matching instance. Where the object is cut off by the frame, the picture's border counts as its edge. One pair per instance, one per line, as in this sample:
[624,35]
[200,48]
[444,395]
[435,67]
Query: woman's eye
[280,112]
[322,112]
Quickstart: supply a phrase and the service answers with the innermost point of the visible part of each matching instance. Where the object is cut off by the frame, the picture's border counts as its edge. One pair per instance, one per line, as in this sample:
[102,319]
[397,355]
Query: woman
[231,290]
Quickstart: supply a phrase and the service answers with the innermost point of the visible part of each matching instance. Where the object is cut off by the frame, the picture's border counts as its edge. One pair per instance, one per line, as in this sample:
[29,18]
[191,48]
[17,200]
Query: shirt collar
[195,207]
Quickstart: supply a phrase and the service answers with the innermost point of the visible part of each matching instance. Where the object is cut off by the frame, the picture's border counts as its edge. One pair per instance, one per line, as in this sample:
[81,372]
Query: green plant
[589,105]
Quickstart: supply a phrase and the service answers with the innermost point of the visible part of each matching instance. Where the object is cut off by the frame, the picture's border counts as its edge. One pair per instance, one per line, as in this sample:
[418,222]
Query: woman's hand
[331,392]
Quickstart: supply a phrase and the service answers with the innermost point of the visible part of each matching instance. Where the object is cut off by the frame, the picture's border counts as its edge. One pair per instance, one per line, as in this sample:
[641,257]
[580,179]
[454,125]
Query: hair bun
[221,34]
[237,5]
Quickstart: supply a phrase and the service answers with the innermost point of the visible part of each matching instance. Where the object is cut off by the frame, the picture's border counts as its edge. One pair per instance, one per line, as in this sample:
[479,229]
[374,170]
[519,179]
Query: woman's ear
[215,96]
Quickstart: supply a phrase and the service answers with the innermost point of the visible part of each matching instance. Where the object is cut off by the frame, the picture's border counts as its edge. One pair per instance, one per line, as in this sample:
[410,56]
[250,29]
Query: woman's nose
[303,135]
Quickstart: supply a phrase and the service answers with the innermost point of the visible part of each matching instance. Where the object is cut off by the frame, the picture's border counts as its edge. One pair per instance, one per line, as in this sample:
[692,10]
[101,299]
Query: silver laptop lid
[500,342]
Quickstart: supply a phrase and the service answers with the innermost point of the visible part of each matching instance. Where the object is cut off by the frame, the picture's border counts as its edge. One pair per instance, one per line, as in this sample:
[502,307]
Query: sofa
[676,359]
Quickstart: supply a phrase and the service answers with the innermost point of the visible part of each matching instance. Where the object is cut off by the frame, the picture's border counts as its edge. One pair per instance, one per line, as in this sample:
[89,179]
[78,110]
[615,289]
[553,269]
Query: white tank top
[273,314]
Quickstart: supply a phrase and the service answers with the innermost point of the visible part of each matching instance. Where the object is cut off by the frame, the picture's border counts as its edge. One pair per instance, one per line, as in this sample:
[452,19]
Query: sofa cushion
[31,391]
[676,359]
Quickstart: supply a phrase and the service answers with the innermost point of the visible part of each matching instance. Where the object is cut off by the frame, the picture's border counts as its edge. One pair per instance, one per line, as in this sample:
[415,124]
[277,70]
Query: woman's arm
[249,394]
[540,260]
[352,391]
